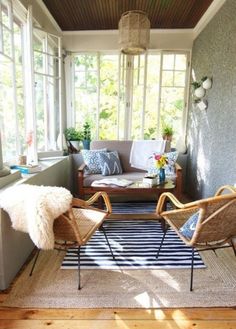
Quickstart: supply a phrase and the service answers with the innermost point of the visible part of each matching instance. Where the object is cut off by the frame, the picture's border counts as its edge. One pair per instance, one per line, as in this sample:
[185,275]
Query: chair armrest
[179,181]
[225,188]
[81,180]
[163,199]
[94,198]
[195,205]
[82,167]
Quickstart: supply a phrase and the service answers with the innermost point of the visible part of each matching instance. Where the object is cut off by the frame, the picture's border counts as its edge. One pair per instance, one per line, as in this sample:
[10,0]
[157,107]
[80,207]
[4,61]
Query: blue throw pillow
[189,227]
[92,160]
[110,163]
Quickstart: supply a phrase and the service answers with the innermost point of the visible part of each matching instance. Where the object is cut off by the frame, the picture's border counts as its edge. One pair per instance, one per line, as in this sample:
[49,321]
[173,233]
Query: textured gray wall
[212,132]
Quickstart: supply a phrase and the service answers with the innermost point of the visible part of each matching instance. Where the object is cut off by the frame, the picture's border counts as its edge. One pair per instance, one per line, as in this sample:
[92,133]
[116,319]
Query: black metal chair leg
[192,265]
[162,240]
[104,232]
[35,260]
[79,286]
[234,249]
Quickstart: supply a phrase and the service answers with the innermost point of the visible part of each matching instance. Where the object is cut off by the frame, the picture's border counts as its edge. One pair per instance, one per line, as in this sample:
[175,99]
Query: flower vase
[162,176]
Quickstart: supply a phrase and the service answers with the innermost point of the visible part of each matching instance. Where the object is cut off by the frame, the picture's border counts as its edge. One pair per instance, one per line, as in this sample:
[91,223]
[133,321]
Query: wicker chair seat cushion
[86,223]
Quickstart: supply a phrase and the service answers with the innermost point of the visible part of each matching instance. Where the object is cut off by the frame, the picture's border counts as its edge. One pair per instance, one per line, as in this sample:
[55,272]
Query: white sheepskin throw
[32,209]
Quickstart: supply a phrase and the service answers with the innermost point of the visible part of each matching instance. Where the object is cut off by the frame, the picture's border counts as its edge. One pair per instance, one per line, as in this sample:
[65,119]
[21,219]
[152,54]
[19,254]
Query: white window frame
[46,76]
[71,111]
[26,19]
[11,58]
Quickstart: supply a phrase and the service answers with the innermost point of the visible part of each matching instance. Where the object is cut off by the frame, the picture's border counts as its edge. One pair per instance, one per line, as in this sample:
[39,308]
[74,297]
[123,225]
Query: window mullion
[60,94]
[118,100]
[45,91]
[186,98]
[13,66]
[128,97]
[159,97]
[1,33]
[98,95]
[144,95]
[30,88]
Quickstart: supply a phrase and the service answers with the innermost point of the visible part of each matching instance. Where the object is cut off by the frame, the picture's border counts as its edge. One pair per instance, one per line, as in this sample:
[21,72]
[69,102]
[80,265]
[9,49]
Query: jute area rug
[51,287]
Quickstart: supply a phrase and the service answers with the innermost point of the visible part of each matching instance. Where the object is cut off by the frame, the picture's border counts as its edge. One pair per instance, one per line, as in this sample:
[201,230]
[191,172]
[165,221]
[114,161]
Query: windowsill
[16,177]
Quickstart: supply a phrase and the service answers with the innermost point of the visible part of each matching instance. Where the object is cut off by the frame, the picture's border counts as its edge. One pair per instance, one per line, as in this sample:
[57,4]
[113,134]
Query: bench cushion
[134,176]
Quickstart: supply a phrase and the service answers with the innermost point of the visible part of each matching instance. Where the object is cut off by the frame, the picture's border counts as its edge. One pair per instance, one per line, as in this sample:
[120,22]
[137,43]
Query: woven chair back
[219,221]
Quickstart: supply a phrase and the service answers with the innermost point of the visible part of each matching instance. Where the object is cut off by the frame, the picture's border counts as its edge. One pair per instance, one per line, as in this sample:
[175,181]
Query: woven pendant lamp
[134,32]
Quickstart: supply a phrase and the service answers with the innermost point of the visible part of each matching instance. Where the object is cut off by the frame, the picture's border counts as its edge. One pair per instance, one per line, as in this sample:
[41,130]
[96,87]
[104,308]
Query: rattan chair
[216,223]
[78,224]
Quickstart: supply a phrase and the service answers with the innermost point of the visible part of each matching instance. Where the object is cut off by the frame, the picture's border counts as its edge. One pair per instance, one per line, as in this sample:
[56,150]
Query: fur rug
[32,209]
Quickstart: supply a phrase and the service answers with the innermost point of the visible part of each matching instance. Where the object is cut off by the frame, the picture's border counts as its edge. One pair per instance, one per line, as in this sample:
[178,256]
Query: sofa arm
[81,180]
[178,189]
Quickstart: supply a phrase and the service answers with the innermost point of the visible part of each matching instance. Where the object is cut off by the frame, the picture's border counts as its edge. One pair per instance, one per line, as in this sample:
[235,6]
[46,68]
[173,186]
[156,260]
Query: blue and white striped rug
[134,244]
[133,207]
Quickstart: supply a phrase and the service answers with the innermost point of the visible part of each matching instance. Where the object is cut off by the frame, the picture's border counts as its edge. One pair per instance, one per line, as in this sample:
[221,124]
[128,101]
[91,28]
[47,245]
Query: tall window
[47,89]
[25,105]
[130,97]
[12,117]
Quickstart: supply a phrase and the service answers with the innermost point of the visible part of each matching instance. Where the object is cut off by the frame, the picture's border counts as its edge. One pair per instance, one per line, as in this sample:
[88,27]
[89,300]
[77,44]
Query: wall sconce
[199,91]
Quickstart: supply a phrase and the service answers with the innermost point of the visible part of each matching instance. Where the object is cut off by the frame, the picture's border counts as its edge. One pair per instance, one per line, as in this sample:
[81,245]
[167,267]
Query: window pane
[137,97]
[167,78]
[122,96]
[180,62]
[168,61]
[7,47]
[12,94]
[47,90]
[7,113]
[108,96]
[86,89]
[172,105]
[5,14]
[40,117]
[179,79]
[38,62]
[152,96]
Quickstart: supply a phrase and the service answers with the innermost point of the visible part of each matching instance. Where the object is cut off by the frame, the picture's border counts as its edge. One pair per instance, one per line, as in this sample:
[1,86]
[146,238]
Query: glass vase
[162,176]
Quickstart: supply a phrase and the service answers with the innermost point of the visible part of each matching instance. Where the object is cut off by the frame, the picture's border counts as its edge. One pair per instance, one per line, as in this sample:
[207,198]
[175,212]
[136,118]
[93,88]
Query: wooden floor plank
[119,314]
[116,324]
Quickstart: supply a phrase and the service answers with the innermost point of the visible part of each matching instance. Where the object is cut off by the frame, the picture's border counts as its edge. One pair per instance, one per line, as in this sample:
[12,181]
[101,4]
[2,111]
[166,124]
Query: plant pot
[207,83]
[75,144]
[167,137]
[199,92]
[86,144]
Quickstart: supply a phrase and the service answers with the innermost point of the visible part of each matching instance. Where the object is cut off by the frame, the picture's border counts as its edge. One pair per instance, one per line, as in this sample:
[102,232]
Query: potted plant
[73,136]
[206,83]
[86,135]
[199,91]
[167,132]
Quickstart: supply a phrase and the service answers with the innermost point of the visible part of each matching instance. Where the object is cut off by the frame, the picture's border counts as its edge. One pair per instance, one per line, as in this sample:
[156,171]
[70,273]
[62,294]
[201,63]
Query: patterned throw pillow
[169,168]
[189,227]
[110,163]
[92,160]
